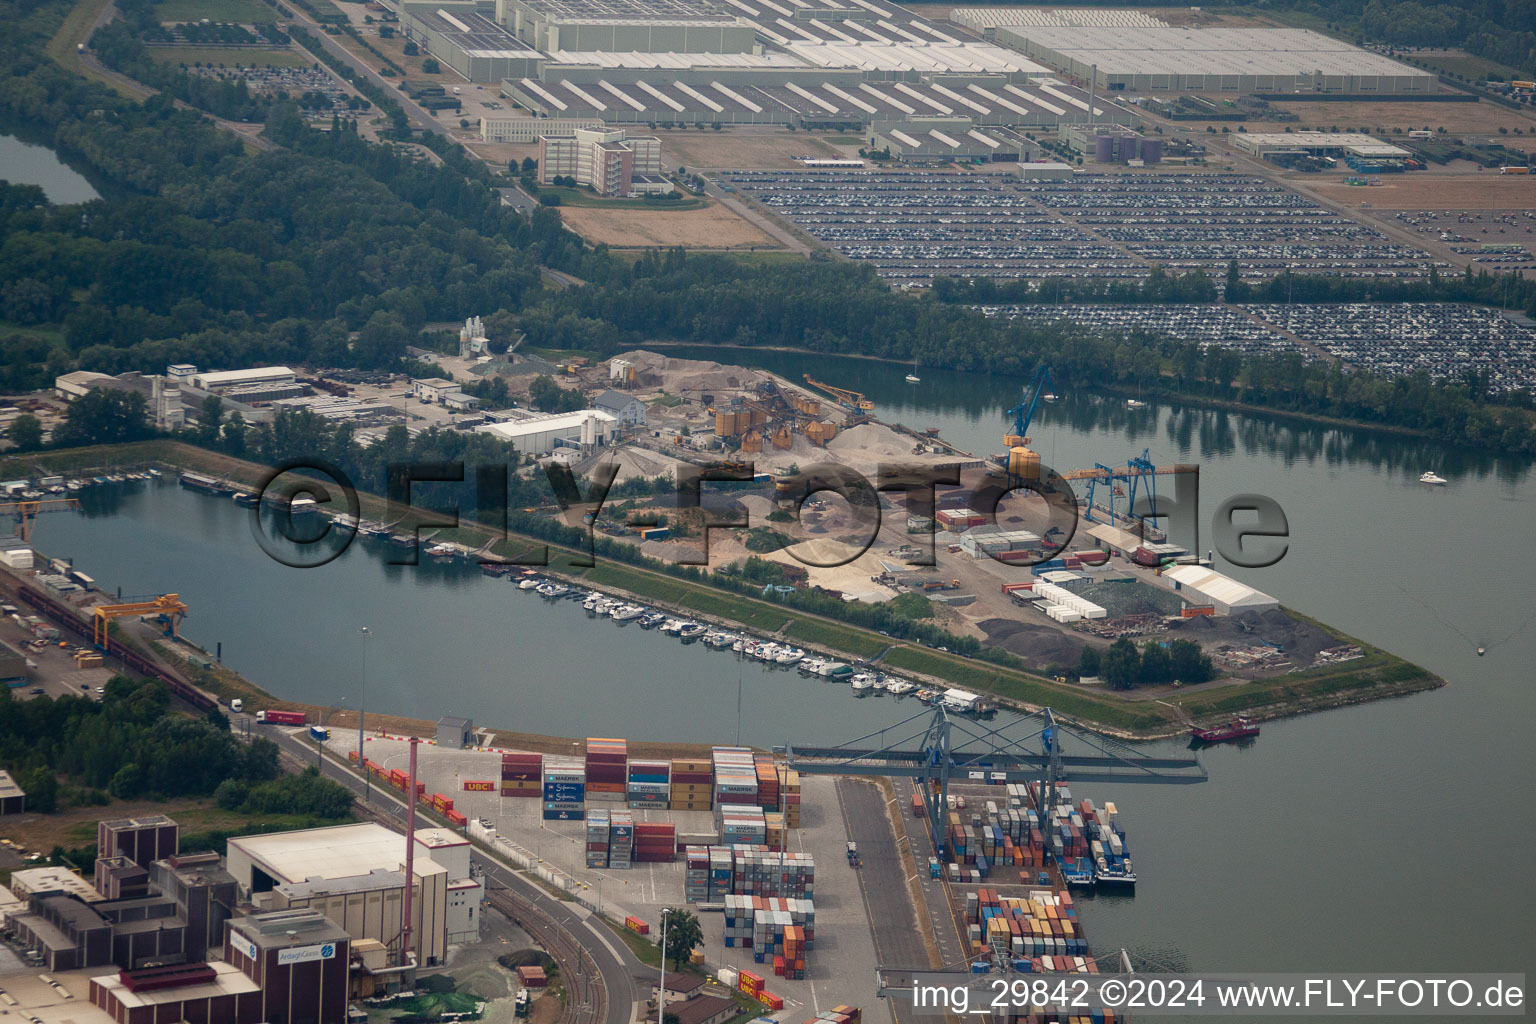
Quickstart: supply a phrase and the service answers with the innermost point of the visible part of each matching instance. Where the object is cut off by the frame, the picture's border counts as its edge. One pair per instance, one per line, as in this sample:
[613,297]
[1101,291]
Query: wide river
[1390,836]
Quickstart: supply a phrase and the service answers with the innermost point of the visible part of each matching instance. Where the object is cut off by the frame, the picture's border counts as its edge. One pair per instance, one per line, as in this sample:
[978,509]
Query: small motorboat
[1132,403]
[1433,479]
[627,612]
[913,378]
[692,630]
[862,683]
[528,583]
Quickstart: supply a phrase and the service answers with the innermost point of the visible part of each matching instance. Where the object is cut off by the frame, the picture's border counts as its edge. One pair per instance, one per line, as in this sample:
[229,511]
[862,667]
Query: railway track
[585,996]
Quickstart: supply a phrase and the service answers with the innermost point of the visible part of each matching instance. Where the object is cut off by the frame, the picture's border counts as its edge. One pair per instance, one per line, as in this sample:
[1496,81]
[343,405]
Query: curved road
[601,955]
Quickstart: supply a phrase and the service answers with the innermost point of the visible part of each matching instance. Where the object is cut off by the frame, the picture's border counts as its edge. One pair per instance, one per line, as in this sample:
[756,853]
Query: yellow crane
[170,606]
[26,511]
[851,399]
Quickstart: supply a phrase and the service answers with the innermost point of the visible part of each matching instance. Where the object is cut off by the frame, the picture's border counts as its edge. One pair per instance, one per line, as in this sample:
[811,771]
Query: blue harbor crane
[944,745]
[1040,385]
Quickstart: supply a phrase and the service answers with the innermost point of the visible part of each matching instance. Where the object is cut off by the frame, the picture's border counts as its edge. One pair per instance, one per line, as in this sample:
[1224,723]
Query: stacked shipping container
[597,838]
[649,784]
[606,760]
[565,788]
[789,796]
[758,922]
[741,824]
[655,843]
[521,774]
[735,775]
[767,781]
[690,785]
[621,839]
[1043,924]
[763,872]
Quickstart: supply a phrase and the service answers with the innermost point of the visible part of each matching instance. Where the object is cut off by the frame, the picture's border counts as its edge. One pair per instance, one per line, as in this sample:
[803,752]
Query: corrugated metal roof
[1217,586]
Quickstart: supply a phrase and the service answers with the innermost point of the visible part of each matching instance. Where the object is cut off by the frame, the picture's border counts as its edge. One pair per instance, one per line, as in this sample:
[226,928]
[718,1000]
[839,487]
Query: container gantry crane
[1139,473]
[168,606]
[25,513]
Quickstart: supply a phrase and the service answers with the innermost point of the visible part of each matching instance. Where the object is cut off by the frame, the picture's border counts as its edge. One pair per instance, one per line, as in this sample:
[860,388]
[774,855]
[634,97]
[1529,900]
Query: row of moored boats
[769,652]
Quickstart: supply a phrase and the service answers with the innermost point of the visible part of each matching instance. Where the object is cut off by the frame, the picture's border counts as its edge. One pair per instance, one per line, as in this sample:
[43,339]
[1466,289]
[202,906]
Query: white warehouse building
[541,435]
[1201,586]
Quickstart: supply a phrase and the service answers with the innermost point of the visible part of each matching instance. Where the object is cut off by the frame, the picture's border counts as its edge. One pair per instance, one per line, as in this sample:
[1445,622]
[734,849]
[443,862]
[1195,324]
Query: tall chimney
[410,857]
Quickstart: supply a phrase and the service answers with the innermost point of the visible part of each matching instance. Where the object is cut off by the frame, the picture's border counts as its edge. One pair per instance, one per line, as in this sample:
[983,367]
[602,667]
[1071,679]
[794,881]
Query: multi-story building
[606,159]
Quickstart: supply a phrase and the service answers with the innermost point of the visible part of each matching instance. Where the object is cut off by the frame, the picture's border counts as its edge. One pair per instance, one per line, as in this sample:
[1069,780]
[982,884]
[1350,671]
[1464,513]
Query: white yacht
[528,582]
[863,683]
[692,630]
[913,378]
[740,644]
[672,627]
[1430,477]
[788,656]
[813,666]
[899,687]
[1132,403]
[591,603]
[625,613]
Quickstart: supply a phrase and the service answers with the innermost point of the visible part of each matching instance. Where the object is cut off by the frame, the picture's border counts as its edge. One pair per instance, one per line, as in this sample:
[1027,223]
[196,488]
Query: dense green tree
[1189,663]
[1156,666]
[547,396]
[26,432]
[1121,665]
[1088,662]
[683,935]
[104,416]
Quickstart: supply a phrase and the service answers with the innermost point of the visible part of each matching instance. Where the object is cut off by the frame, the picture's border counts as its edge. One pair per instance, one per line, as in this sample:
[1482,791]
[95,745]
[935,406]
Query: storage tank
[1023,463]
[725,423]
[1104,149]
[1151,151]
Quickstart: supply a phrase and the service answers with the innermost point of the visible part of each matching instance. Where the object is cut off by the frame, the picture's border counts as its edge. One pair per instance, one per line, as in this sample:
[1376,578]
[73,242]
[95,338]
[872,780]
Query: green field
[246,12]
[817,632]
[230,58]
[1459,62]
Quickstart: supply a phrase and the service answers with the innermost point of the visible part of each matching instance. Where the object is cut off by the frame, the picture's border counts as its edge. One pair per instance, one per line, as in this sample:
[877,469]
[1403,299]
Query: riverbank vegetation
[332,251]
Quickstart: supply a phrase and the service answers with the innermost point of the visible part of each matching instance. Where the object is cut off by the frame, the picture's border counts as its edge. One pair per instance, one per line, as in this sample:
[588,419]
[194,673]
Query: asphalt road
[599,949]
[883,883]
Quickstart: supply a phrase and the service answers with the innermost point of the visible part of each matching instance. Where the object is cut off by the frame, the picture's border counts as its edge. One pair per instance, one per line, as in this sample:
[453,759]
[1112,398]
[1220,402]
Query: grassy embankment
[1379,674]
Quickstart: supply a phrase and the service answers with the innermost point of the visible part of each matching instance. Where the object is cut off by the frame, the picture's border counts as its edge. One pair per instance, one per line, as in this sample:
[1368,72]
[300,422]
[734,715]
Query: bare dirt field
[739,151]
[1486,191]
[712,227]
[1455,118]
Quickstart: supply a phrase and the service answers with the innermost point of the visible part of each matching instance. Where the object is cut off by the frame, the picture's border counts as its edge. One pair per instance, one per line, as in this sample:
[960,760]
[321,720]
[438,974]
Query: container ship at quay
[1087,841]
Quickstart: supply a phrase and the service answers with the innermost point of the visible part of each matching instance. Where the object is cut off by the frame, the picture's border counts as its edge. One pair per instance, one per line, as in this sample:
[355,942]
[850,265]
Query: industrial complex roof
[228,980]
[628,10]
[674,61]
[341,851]
[812,96]
[475,34]
[1217,51]
[53,879]
[910,56]
[980,18]
[1350,142]
[539,424]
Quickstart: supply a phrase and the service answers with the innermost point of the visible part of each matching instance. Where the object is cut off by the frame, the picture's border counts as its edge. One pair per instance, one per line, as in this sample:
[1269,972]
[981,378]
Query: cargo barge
[1236,729]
